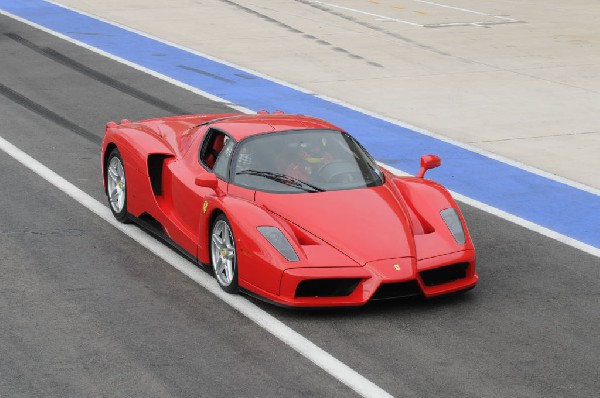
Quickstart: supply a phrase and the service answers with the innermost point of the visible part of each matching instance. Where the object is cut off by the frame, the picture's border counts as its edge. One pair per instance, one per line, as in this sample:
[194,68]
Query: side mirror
[207,180]
[428,162]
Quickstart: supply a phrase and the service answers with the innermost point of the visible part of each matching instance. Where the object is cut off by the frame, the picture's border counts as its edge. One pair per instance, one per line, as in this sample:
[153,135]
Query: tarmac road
[86,311]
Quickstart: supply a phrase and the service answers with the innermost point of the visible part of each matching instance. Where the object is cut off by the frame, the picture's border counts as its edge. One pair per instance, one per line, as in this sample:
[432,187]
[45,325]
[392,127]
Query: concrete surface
[519,79]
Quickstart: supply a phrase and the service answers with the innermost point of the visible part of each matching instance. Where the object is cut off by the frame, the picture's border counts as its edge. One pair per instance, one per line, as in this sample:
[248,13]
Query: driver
[309,157]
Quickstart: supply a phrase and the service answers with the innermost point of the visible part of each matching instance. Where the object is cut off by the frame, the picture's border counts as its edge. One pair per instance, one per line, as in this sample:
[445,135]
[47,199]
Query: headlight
[453,223]
[279,242]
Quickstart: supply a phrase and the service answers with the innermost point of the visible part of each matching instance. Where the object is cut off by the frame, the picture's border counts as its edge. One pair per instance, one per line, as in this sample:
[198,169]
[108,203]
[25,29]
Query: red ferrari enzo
[288,208]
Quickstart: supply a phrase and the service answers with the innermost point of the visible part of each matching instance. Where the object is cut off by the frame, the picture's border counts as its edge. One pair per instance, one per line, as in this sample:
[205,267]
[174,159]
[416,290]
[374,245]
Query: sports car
[288,208]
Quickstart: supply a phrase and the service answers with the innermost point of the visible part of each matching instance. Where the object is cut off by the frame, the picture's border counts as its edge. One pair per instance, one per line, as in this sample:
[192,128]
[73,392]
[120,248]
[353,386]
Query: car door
[186,196]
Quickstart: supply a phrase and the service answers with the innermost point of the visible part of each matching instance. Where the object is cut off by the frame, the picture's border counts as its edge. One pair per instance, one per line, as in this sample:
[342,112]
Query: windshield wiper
[283,179]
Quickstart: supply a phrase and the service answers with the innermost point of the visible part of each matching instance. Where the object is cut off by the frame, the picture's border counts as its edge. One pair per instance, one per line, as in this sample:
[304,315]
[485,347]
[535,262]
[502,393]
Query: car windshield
[303,161]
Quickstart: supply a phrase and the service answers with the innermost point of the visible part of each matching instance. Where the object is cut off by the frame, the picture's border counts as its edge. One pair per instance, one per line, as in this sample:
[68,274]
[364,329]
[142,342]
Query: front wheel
[116,187]
[223,255]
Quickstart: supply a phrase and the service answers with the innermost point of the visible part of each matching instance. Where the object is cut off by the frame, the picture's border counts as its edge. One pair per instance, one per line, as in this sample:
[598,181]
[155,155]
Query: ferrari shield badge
[397,267]
[204,206]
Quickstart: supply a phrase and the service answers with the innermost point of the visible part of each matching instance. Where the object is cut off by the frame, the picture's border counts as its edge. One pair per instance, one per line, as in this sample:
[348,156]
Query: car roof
[242,126]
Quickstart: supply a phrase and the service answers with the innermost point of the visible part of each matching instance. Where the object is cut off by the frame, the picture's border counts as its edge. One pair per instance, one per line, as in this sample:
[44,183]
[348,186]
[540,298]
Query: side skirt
[158,233]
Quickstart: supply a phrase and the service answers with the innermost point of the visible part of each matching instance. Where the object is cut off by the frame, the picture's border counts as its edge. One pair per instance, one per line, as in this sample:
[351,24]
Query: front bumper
[377,280]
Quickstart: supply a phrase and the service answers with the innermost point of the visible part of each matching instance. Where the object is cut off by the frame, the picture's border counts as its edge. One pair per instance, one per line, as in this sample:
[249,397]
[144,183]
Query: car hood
[366,224]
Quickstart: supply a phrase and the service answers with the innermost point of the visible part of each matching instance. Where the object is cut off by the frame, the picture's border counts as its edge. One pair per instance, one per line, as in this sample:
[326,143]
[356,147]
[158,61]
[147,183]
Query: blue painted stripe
[559,207]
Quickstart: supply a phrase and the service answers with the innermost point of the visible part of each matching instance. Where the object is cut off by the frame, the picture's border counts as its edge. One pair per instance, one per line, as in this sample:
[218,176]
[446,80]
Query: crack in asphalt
[61,233]
[537,137]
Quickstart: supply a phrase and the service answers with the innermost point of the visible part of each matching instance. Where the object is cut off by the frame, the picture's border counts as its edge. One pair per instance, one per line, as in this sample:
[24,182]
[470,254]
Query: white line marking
[479,24]
[482,206]
[594,251]
[379,17]
[466,10]
[385,18]
[290,337]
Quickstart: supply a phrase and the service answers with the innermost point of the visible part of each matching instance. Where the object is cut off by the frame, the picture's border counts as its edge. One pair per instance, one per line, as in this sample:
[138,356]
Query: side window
[211,147]
[222,162]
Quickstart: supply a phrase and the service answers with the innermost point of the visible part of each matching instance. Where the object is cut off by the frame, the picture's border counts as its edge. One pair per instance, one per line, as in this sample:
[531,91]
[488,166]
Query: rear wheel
[116,187]
[223,255]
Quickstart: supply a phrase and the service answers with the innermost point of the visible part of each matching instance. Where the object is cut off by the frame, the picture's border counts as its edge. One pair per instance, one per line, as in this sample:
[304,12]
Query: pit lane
[87,311]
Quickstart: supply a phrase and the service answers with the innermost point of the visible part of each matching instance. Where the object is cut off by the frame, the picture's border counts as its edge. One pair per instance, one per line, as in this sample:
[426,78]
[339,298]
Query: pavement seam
[536,137]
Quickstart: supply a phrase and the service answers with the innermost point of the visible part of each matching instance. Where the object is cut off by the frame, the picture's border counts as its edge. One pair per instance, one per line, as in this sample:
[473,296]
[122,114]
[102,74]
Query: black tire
[222,250]
[116,186]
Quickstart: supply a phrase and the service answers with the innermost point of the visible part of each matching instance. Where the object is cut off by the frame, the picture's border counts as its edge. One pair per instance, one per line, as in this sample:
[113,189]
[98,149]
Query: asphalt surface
[85,311]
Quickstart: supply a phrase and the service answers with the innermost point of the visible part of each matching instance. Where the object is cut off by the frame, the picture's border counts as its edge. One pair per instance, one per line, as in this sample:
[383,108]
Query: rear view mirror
[428,162]
[207,180]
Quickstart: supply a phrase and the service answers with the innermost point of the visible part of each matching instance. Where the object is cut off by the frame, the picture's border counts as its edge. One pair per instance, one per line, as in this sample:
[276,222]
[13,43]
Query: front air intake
[448,273]
[338,287]
[397,290]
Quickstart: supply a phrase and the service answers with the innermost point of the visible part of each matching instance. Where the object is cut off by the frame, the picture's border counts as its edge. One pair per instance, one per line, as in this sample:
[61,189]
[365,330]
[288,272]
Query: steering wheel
[335,170]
